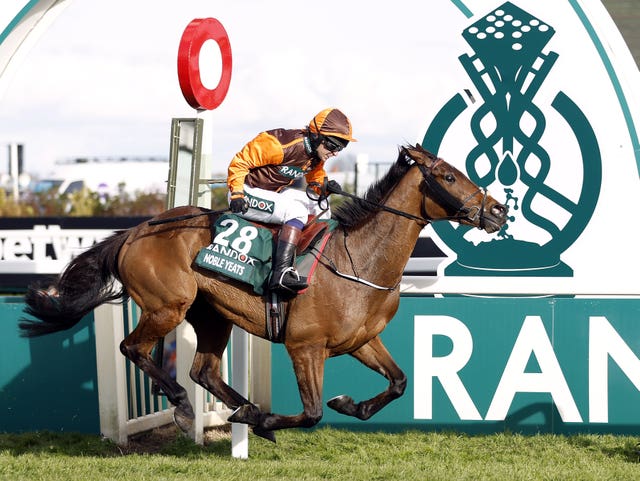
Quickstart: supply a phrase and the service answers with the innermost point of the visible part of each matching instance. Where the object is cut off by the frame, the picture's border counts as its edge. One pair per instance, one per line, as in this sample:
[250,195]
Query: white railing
[126,402]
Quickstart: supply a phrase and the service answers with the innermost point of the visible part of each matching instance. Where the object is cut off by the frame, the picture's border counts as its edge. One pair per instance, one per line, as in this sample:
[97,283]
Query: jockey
[260,175]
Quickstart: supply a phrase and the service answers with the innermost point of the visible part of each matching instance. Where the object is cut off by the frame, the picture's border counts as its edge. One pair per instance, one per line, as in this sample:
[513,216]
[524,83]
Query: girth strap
[276,317]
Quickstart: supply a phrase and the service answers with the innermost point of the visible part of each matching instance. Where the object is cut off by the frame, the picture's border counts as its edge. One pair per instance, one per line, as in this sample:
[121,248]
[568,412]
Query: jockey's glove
[333,187]
[238,203]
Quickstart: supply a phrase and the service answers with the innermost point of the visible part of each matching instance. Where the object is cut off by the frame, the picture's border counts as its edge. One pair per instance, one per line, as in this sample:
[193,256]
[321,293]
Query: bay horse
[337,315]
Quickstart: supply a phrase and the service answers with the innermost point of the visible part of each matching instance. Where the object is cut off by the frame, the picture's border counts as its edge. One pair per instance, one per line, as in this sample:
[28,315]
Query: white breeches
[279,207]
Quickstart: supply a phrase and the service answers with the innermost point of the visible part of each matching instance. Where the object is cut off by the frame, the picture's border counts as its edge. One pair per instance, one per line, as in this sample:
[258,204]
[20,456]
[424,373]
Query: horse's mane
[354,211]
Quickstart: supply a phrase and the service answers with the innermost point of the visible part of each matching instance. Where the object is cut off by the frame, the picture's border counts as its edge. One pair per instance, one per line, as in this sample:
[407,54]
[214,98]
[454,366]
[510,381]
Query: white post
[206,158]
[240,382]
[185,349]
[260,370]
[239,338]
[185,336]
[112,378]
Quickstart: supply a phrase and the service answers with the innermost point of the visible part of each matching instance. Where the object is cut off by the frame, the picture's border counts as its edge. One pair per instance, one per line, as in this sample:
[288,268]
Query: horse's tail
[86,282]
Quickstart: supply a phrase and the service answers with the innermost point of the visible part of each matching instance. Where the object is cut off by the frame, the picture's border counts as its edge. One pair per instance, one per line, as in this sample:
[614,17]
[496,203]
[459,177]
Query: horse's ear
[416,154]
[406,154]
[423,156]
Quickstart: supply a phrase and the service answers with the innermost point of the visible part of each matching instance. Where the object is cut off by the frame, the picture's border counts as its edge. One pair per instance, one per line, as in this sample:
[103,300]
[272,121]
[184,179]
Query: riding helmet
[332,123]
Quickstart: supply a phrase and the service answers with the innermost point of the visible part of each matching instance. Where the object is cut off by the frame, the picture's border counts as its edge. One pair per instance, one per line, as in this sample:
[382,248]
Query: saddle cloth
[243,250]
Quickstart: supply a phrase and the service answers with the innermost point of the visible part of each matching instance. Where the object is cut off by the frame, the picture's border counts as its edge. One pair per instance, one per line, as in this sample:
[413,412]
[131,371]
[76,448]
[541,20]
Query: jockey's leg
[291,208]
[284,276]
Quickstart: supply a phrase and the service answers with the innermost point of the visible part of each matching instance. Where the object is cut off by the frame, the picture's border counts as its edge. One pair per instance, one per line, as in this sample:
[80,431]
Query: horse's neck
[386,240]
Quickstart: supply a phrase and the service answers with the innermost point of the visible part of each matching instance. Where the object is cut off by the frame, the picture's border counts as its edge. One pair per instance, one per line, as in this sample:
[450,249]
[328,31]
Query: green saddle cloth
[243,251]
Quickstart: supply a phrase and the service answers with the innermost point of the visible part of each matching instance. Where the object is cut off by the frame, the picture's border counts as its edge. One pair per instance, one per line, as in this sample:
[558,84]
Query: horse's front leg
[375,356]
[308,365]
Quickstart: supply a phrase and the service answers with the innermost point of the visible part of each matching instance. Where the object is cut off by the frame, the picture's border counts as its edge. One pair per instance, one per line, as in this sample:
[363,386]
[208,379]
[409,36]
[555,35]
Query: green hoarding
[47,383]
[475,365]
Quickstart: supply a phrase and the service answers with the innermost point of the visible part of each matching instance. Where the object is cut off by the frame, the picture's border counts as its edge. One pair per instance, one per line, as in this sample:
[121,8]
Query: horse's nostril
[499,210]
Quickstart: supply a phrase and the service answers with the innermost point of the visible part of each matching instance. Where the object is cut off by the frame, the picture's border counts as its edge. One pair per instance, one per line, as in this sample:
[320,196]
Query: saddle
[310,232]
[242,250]
[276,304]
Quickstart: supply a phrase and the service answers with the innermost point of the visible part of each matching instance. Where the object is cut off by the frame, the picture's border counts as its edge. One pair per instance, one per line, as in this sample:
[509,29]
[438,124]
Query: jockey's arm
[315,179]
[262,150]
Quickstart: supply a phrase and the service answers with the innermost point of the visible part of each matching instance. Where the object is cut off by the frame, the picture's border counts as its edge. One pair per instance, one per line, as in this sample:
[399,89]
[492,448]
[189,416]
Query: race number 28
[241,241]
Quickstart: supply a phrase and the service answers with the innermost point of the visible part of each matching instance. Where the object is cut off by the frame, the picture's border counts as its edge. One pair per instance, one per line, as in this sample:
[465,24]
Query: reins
[356,278]
[444,198]
[377,205]
[448,201]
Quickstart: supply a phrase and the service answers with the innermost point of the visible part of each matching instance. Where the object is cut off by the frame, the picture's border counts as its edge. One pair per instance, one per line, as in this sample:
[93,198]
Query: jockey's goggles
[332,144]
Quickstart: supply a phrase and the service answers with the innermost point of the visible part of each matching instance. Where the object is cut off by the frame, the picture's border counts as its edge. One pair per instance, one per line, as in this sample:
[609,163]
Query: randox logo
[291,172]
[507,153]
[260,204]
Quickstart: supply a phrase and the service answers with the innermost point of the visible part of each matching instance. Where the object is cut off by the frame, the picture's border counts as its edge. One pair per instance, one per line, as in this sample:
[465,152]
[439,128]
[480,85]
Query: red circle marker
[195,35]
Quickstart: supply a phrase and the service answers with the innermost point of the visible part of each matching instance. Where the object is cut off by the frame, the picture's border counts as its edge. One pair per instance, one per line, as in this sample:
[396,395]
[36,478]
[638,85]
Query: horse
[337,315]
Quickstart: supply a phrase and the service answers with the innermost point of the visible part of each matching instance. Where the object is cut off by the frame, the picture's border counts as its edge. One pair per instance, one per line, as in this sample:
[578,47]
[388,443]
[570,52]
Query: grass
[321,454]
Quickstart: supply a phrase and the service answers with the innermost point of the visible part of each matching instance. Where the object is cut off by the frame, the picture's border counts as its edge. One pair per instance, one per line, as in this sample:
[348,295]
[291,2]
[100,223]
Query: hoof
[156,390]
[264,433]
[343,404]
[183,417]
[246,414]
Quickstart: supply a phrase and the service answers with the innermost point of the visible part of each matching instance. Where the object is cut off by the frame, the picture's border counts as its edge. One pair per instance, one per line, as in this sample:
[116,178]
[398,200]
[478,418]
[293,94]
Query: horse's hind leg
[137,347]
[375,356]
[213,334]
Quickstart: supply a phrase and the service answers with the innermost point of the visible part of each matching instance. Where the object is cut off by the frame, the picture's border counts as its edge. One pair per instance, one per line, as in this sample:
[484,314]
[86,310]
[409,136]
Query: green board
[488,365]
[47,383]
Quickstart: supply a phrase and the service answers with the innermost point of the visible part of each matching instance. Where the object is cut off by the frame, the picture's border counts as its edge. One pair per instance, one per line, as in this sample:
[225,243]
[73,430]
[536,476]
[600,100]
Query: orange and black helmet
[332,123]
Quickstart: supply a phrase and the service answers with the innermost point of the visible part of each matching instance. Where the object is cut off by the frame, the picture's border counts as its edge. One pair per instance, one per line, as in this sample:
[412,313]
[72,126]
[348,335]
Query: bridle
[448,202]
[440,195]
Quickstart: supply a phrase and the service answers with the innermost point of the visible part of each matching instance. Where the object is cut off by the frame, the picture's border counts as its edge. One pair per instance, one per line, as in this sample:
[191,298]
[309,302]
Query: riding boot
[284,276]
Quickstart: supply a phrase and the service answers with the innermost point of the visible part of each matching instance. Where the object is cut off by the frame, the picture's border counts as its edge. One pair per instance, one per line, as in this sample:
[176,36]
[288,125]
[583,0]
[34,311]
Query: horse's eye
[450,178]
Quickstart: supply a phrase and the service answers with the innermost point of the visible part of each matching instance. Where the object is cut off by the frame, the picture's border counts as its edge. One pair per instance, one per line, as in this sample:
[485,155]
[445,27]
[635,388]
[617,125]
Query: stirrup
[290,270]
